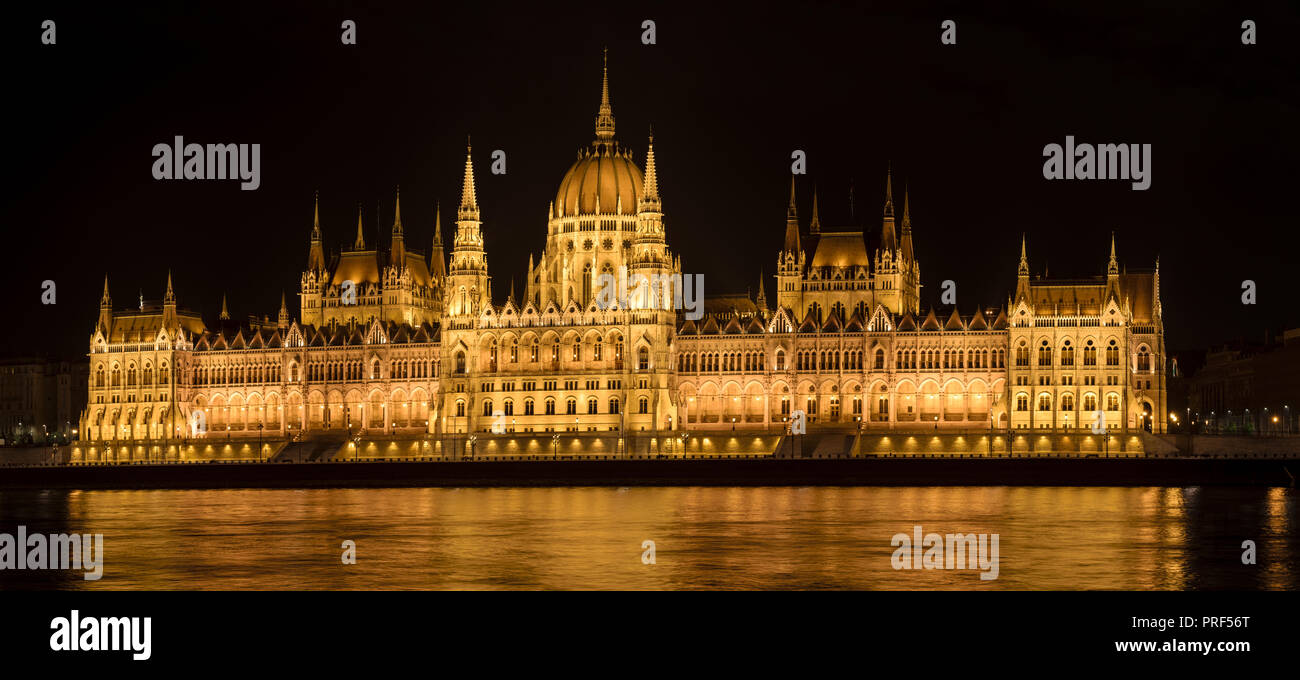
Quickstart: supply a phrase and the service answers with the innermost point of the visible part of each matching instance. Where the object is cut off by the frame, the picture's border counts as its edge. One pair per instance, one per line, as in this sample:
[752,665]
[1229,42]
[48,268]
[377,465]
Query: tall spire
[225,315]
[815,227]
[468,199]
[397,256]
[437,225]
[283,321]
[169,298]
[397,214]
[437,261]
[360,243]
[315,220]
[761,302]
[888,242]
[1024,261]
[1112,267]
[792,244]
[105,299]
[605,114]
[791,213]
[889,191]
[650,188]
[907,227]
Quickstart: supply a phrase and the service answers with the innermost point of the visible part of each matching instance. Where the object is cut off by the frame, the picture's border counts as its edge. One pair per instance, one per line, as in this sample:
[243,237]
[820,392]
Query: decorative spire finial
[605,114]
[360,243]
[889,191]
[468,199]
[225,315]
[1024,261]
[397,212]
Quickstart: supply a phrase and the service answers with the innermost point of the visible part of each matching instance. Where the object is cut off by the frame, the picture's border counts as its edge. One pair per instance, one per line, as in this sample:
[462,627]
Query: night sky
[730,91]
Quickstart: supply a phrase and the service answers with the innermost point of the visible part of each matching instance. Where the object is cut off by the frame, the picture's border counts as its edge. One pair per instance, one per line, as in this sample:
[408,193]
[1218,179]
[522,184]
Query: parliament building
[388,341]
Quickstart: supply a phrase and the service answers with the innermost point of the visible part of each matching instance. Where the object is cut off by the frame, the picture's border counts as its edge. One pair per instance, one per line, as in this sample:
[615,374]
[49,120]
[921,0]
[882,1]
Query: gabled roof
[931,322]
[954,322]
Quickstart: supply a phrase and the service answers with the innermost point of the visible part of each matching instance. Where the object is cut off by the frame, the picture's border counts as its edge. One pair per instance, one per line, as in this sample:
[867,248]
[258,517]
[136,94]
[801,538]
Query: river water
[703,537]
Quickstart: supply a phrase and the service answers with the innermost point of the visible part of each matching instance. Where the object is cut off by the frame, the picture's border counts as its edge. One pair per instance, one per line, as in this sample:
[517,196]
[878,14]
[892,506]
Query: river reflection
[705,537]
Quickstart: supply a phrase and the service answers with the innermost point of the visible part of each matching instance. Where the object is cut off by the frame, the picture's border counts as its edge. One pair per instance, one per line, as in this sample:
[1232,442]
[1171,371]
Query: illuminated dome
[604,173]
[604,180]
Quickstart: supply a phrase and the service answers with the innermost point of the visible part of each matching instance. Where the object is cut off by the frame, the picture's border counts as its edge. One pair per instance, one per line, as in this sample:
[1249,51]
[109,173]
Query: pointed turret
[1112,273]
[467,279]
[398,257]
[1022,274]
[316,246]
[225,315]
[888,239]
[360,242]
[437,259]
[650,187]
[1023,270]
[169,304]
[907,228]
[169,298]
[605,114]
[815,226]
[468,199]
[284,313]
[105,309]
[1112,267]
[761,302]
[792,244]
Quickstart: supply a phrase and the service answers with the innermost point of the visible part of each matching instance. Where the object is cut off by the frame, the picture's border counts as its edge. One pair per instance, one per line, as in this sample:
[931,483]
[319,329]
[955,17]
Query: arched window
[1067,354]
[487,407]
[460,409]
[1112,354]
[1067,402]
[1045,354]
[1112,402]
[880,359]
[1144,359]
[528,407]
[550,407]
[613,405]
[643,359]
[509,407]
[532,351]
[1089,354]
[460,363]
[99,375]
[1022,402]
[1022,354]
[571,406]
[1044,402]
[1090,402]
[595,350]
[593,406]
[374,370]
[643,405]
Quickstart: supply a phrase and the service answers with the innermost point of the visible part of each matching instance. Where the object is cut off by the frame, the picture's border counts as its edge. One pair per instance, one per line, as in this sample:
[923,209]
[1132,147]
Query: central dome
[606,174]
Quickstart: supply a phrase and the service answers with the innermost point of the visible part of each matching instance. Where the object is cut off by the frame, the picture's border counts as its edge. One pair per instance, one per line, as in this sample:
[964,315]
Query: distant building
[41,399]
[1249,388]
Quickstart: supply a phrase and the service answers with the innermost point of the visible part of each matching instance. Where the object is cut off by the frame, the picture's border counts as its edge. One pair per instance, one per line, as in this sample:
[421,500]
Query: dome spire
[605,114]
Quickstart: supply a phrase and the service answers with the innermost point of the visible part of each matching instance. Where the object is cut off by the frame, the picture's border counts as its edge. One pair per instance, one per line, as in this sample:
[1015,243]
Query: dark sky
[731,90]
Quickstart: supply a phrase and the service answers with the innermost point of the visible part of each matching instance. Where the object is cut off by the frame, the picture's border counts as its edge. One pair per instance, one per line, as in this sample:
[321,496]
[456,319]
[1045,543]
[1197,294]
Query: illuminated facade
[389,341]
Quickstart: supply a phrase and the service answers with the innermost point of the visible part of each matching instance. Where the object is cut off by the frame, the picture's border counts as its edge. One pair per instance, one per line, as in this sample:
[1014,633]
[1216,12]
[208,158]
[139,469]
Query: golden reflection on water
[705,537]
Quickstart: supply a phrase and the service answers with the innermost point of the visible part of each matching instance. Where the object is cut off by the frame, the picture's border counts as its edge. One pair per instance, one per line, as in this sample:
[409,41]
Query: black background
[731,90]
